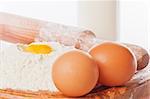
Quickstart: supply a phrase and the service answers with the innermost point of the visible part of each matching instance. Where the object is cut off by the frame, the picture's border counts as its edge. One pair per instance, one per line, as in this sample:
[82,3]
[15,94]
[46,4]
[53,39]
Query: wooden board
[137,88]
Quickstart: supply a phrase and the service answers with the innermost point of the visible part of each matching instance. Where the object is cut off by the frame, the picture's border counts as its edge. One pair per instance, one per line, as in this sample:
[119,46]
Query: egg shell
[75,73]
[117,64]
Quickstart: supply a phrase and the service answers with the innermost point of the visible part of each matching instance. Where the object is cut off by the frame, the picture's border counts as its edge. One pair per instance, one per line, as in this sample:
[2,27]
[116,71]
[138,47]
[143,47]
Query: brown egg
[116,63]
[75,73]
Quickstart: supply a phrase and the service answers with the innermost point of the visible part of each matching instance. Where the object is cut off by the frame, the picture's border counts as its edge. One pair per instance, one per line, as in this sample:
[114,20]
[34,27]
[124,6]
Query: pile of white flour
[25,71]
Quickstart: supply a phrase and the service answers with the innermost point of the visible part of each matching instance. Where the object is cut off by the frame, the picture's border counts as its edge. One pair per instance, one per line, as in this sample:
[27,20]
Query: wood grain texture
[137,88]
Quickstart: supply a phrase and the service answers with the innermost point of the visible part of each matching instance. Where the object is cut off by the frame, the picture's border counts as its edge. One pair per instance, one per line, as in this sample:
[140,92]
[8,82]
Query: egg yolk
[38,49]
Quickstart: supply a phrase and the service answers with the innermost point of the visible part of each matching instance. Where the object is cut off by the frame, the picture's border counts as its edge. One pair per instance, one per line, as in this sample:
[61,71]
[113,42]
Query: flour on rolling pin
[20,29]
[84,39]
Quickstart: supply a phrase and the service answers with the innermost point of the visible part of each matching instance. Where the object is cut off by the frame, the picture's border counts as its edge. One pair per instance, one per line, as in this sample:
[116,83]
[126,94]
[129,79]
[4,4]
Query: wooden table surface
[137,88]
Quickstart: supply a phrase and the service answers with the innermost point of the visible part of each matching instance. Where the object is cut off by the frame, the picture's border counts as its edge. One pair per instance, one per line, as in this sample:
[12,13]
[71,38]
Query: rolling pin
[19,29]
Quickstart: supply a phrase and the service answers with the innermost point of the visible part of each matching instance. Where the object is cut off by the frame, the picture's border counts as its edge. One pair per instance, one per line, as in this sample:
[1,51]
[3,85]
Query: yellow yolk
[38,49]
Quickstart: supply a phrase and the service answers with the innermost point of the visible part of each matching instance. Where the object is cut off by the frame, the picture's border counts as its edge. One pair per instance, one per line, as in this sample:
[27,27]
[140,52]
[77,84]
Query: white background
[133,22]
[57,11]
[132,17]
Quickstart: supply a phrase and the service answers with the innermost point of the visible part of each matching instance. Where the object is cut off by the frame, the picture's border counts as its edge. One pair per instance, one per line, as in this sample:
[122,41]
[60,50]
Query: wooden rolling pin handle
[18,29]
